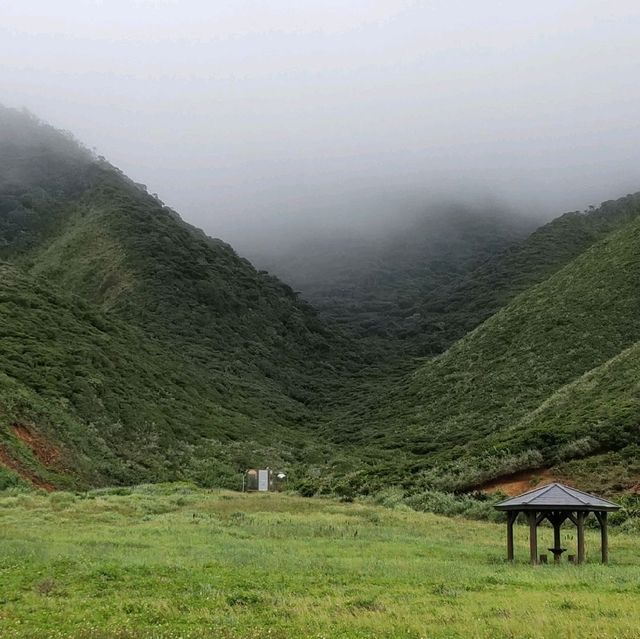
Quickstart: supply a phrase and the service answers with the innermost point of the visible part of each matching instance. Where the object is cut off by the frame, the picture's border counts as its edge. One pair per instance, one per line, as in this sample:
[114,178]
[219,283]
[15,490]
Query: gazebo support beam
[533,536]
[511,519]
[581,516]
[557,522]
[541,517]
[604,535]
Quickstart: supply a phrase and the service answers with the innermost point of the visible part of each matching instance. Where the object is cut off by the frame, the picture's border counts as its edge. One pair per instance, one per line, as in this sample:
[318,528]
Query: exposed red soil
[25,473]
[46,453]
[519,483]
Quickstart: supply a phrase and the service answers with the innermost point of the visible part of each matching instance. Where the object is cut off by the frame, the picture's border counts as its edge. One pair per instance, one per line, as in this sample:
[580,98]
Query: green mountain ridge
[494,283]
[204,356]
[135,348]
[122,405]
[491,394]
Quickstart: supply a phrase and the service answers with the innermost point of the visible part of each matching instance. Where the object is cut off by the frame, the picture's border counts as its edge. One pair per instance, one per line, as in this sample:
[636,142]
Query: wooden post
[511,518]
[604,536]
[557,520]
[580,525]
[533,536]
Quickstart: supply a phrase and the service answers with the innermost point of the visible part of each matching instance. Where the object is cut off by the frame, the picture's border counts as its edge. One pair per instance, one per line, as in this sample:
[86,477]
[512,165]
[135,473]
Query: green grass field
[177,562]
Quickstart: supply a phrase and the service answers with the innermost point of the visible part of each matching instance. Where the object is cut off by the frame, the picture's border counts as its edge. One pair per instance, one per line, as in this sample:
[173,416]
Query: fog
[260,121]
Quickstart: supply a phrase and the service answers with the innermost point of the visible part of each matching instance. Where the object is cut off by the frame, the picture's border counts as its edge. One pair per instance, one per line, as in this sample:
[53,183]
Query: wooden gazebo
[557,503]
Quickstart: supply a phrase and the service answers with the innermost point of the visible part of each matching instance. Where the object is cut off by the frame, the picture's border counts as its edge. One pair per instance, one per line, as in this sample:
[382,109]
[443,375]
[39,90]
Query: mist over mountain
[377,282]
[545,380]
[265,121]
[130,340]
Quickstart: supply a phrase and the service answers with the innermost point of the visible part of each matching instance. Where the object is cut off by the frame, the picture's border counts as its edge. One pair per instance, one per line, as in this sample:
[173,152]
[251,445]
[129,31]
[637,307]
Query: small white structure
[263,480]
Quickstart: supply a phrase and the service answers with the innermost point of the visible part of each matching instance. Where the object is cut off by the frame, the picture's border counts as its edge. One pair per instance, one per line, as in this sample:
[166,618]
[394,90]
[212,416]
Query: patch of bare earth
[521,482]
[44,451]
[25,473]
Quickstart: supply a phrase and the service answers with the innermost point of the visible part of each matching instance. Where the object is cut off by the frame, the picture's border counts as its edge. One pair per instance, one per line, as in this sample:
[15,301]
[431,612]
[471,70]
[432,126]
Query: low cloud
[260,121]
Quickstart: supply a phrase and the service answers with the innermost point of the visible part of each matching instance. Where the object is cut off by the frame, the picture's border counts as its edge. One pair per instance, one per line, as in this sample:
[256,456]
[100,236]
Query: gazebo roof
[557,497]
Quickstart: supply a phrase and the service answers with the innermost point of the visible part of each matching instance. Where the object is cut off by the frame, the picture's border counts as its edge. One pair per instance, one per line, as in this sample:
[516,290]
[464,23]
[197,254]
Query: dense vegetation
[450,312]
[133,345]
[376,285]
[432,282]
[135,348]
[98,401]
[550,377]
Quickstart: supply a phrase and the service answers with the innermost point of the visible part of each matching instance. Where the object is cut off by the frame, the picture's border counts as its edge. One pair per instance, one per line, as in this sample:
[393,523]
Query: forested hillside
[431,283]
[88,399]
[550,377]
[135,348]
[141,347]
[378,283]
[450,312]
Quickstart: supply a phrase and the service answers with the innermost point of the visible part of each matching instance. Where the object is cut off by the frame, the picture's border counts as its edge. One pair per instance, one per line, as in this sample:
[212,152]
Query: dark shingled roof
[556,497]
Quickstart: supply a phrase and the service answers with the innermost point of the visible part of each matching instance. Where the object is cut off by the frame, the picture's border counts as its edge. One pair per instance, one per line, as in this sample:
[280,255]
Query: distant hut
[557,503]
[263,480]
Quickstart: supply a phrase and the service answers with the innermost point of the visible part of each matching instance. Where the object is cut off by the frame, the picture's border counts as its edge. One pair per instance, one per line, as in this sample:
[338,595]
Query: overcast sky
[255,117]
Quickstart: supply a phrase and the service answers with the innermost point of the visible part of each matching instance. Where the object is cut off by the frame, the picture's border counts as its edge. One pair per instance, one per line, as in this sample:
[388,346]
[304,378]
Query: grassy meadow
[172,561]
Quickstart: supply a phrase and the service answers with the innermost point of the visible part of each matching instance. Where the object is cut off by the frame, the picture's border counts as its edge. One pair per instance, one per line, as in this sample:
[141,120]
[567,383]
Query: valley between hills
[469,348]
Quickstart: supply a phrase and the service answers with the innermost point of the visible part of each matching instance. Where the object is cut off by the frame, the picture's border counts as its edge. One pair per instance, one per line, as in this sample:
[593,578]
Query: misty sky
[255,117]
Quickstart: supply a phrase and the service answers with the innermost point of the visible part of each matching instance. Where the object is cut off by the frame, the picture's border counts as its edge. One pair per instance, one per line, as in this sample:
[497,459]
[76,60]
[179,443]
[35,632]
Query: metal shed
[557,503]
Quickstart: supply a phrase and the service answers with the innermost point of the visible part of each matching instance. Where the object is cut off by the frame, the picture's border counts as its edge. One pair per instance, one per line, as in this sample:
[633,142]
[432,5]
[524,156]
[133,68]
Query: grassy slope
[603,397]
[122,250]
[173,563]
[119,405]
[183,358]
[600,411]
[452,311]
[469,399]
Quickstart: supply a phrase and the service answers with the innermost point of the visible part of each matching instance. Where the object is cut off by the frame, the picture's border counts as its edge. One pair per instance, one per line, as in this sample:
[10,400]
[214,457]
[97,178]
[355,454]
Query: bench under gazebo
[557,503]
